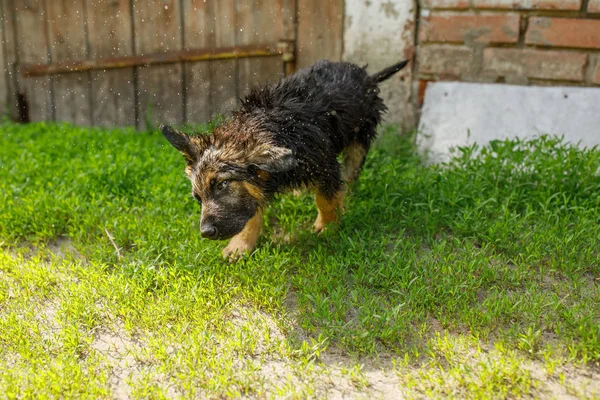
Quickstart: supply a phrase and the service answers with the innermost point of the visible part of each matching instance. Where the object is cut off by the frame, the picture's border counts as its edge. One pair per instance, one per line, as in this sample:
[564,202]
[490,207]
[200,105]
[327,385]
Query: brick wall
[527,42]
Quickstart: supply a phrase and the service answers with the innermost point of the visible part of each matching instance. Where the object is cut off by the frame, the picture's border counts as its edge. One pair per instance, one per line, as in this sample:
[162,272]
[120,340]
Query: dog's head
[229,172]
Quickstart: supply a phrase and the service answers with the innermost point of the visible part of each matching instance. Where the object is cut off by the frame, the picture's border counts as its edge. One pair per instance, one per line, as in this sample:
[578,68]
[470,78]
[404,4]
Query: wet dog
[284,136]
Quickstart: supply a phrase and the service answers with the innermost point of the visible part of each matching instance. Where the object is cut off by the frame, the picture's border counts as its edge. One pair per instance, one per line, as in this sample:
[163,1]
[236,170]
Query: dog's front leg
[330,208]
[245,241]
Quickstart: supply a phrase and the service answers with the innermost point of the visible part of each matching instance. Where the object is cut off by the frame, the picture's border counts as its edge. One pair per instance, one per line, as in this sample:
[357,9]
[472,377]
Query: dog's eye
[198,199]
[222,185]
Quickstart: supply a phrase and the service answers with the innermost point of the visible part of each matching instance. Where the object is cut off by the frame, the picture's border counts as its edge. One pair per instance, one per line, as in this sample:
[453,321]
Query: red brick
[467,27]
[570,5]
[459,4]
[446,61]
[564,32]
[534,63]
[594,6]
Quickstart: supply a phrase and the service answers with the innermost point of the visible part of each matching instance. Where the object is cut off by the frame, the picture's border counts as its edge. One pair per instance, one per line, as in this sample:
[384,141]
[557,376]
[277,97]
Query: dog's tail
[388,72]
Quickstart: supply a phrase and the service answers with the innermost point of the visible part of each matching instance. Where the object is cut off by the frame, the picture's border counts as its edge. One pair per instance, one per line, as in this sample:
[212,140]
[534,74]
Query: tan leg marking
[329,210]
[354,155]
[245,241]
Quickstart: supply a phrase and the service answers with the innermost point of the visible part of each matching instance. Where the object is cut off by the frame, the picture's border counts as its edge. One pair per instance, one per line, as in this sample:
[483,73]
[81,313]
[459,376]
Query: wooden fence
[135,62]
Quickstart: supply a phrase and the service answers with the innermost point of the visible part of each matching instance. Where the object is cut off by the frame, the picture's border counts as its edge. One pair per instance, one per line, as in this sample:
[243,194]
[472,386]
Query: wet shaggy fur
[284,136]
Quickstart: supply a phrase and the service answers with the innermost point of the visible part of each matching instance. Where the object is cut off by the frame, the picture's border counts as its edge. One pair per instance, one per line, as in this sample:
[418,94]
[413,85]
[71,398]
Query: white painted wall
[381,33]
[459,113]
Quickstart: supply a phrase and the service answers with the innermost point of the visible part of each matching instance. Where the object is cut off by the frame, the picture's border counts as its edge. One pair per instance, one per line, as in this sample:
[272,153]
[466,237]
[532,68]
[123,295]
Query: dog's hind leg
[354,158]
[329,196]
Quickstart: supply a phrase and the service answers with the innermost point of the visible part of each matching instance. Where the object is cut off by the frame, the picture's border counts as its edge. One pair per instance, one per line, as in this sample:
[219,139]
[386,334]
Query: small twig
[113,243]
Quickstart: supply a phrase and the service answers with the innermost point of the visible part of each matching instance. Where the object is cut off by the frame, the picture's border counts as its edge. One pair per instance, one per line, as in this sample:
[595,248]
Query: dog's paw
[236,250]
[319,227]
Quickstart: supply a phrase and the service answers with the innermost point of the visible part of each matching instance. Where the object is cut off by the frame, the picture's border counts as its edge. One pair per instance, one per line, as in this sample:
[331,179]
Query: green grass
[478,278]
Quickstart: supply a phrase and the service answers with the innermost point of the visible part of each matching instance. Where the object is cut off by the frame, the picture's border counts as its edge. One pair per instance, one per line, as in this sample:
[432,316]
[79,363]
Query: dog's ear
[273,159]
[190,146]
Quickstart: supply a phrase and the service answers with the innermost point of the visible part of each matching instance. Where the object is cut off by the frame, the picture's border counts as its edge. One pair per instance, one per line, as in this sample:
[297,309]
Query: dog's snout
[208,231]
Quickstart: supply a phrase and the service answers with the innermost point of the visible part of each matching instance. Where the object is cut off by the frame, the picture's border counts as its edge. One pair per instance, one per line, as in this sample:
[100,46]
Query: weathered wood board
[4,78]
[68,41]
[110,35]
[32,42]
[160,97]
[290,19]
[258,22]
[320,27]
[198,33]
[64,33]
[10,58]
[223,73]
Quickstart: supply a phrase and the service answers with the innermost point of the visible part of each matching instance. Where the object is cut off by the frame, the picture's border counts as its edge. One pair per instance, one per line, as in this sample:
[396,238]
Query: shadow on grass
[503,246]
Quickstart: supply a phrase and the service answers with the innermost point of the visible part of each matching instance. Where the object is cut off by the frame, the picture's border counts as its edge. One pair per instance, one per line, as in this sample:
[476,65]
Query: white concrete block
[381,33]
[459,113]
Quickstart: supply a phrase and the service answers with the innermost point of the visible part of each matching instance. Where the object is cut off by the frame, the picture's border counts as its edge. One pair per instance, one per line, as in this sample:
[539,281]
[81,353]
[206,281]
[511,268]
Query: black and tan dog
[285,136]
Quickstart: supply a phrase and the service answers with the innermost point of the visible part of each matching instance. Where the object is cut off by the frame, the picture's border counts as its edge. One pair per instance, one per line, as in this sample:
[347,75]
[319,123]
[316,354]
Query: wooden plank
[223,74]
[110,35]
[290,31]
[290,19]
[11,58]
[160,88]
[32,40]
[4,86]
[320,28]
[72,97]
[199,32]
[258,21]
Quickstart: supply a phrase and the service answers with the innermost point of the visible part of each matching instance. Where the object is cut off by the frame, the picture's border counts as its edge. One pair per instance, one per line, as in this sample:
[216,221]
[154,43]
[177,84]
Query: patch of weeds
[462,274]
